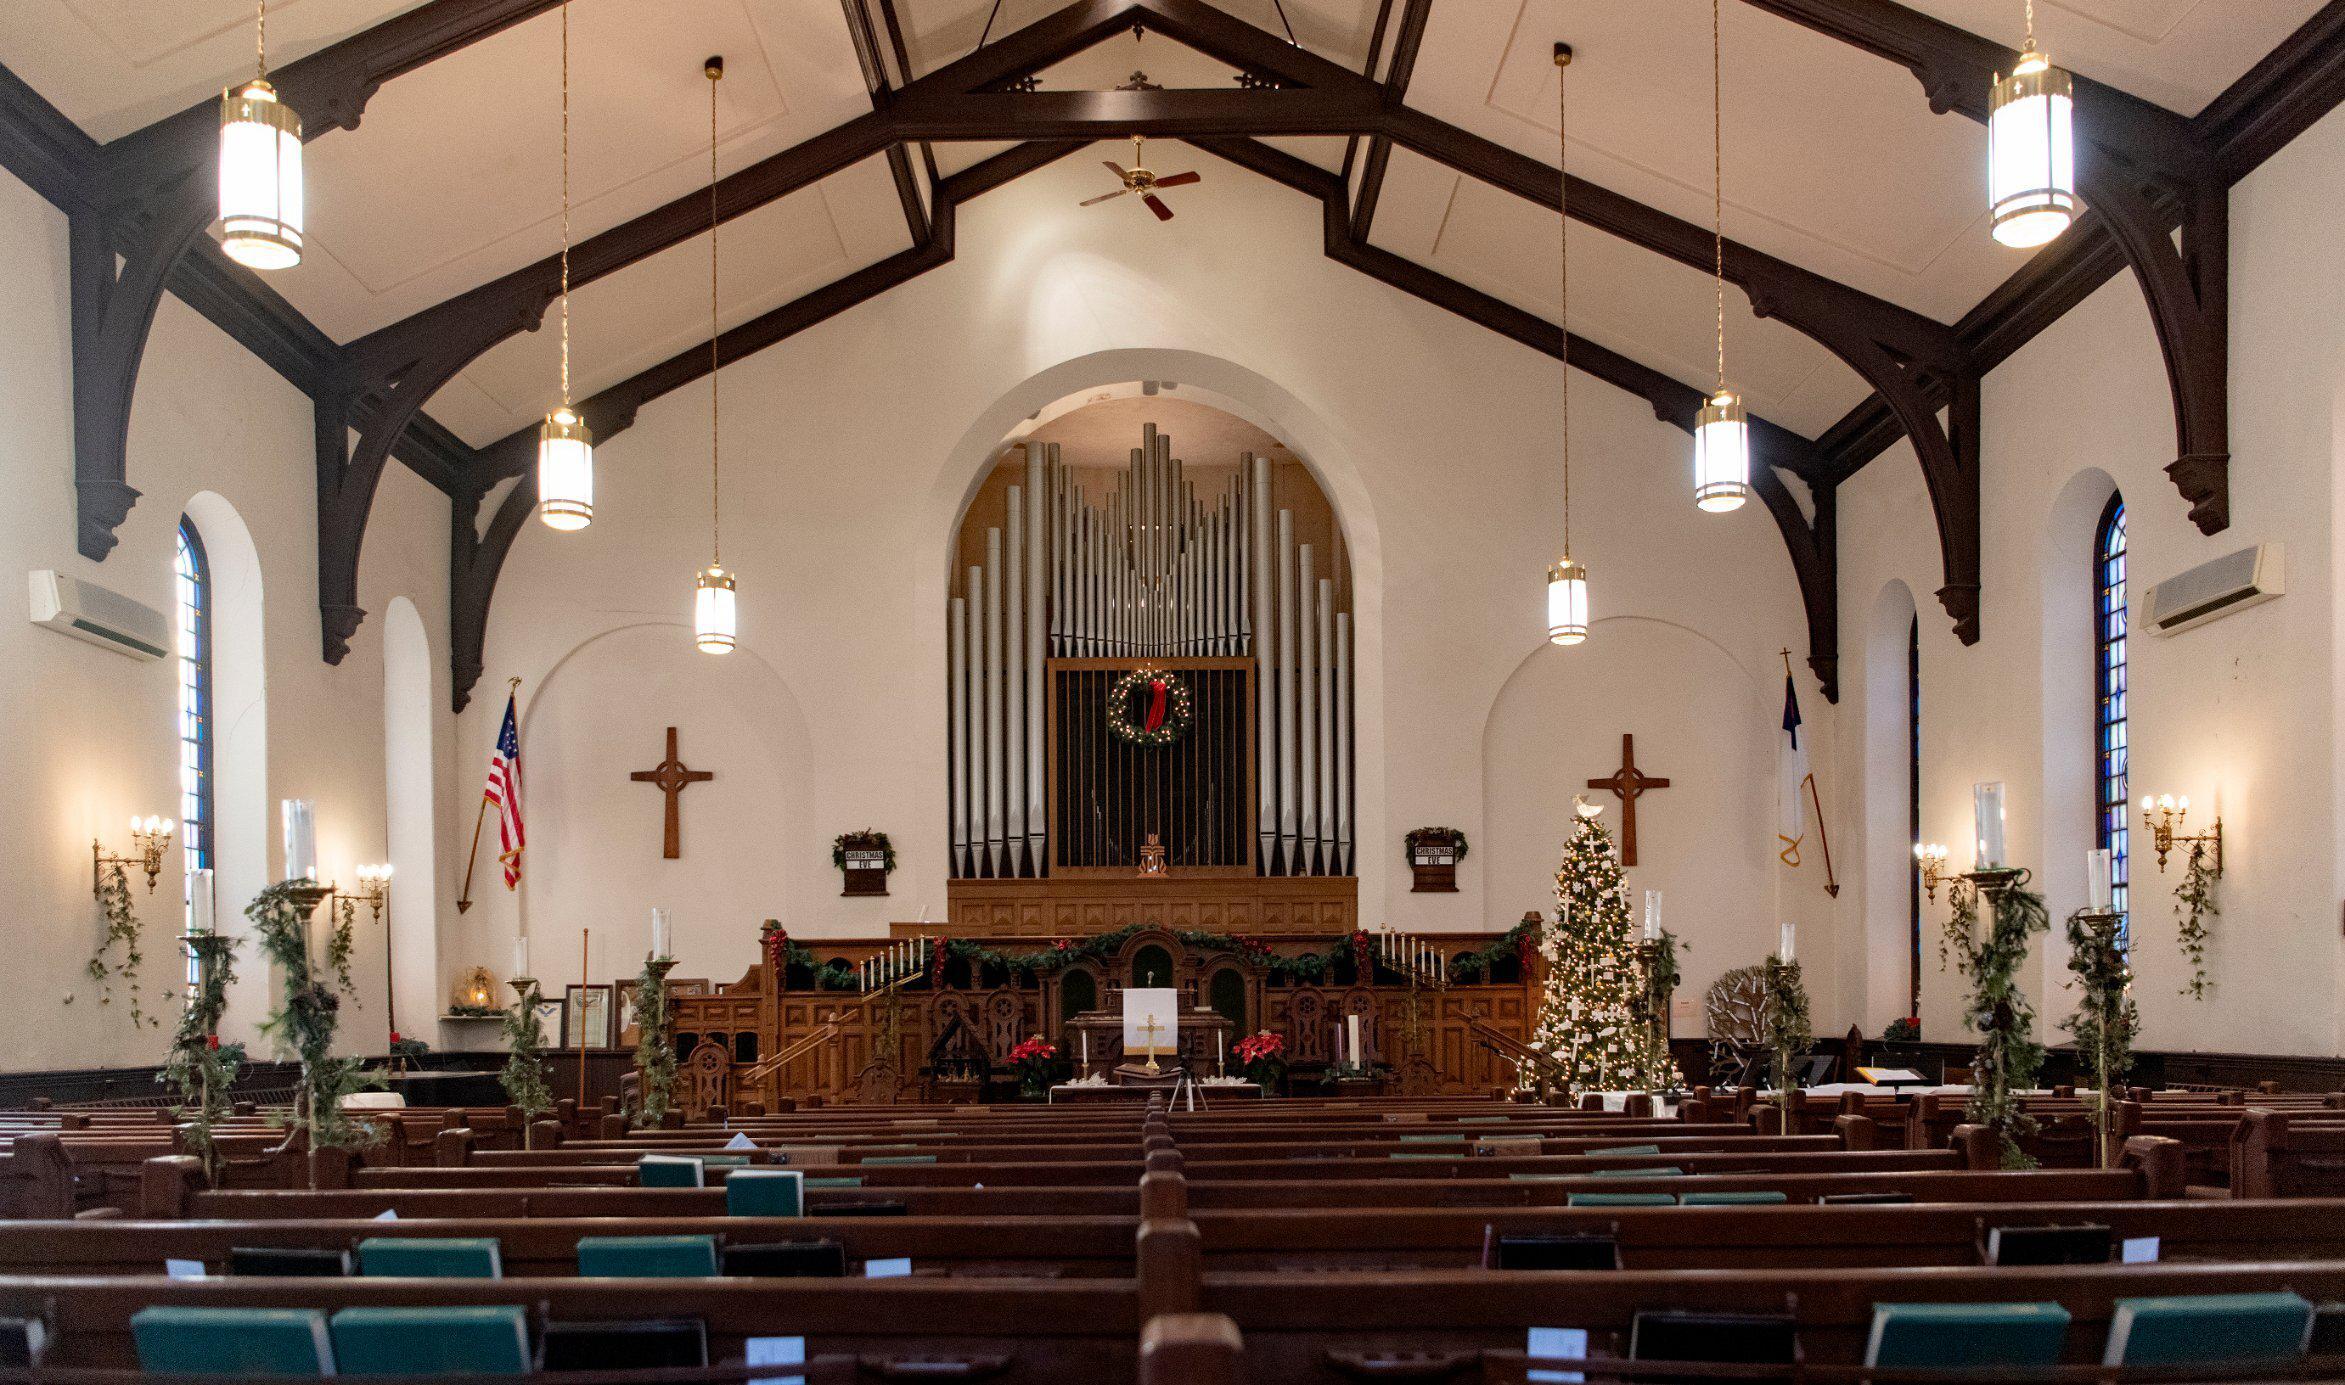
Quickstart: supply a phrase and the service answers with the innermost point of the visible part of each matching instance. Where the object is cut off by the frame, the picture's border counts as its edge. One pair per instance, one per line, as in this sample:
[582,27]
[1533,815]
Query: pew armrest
[2159,1163]
[1191,1349]
[167,1185]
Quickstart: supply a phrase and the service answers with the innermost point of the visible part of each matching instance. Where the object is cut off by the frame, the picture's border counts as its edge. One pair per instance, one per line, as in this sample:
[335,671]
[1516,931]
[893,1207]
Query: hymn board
[1157,655]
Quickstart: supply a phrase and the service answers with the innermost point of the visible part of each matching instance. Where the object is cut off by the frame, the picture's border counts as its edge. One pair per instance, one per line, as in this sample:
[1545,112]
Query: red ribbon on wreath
[777,952]
[1156,695]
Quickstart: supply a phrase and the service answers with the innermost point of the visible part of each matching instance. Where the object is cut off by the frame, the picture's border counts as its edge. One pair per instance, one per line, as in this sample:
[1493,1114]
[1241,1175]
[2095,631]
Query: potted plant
[1259,1052]
[1904,1031]
[1434,853]
[1033,1059]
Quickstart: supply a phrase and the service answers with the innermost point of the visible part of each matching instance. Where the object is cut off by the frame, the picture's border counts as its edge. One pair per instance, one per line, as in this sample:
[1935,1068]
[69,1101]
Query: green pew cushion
[1541,1177]
[1455,1139]
[766,1193]
[1628,1149]
[647,1257]
[2235,1329]
[899,1159]
[232,1341]
[722,1161]
[431,1257]
[1659,1171]
[1942,1336]
[487,1340]
[847,1181]
[1397,1155]
[1754,1197]
[669,1171]
[1483,1120]
[1620,1200]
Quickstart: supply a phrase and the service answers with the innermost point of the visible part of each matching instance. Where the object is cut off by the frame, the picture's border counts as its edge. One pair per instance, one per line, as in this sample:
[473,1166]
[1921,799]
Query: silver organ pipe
[1286,688]
[994,758]
[1324,787]
[1265,688]
[1013,757]
[1306,712]
[1343,743]
[957,722]
[973,711]
[1040,463]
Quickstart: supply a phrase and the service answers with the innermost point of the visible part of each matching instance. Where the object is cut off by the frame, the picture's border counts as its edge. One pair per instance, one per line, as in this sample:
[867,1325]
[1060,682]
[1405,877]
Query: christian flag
[1792,786]
[504,794]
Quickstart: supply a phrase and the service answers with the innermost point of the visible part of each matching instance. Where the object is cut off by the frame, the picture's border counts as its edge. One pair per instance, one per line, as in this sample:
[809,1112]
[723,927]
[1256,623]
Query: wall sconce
[150,837]
[374,888]
[1932,857]
[2164,816]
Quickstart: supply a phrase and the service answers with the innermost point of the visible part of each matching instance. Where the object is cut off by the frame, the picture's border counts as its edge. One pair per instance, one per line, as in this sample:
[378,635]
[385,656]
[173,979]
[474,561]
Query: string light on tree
[1567,581]
[260,167]
[2031,159]
[714,616]
[1722,431]
[565,447]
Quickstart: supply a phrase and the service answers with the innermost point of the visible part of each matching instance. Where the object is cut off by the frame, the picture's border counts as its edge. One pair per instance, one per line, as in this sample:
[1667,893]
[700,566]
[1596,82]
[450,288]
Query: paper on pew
[2138,1250]
[387,1214]
[898,1268]
[740,1141]
[1557,1344]
[184,1269]
[776,1351]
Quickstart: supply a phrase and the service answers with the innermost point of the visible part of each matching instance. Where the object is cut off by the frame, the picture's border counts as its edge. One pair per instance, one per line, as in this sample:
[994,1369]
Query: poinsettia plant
[1261,1052]
[1033,1058]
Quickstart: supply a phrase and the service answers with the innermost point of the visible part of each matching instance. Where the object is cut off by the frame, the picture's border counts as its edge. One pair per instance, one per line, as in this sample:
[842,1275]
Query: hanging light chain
[2031,24]
[1718,181]
[260,39]
[716,72]
[1563,271]
[565,204]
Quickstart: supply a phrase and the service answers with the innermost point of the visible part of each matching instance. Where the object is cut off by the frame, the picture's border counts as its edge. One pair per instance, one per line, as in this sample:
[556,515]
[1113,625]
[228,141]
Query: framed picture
[630,1023]
[586,1017]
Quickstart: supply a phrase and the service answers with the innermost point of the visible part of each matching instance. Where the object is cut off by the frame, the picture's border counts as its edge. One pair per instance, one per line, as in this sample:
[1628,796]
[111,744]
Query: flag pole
[585,988]
[1823,834]
[480,815]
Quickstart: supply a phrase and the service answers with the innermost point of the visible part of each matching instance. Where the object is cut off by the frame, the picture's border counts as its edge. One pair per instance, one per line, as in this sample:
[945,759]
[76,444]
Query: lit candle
[199,902]
[1986,801]
[1786,952]
[2098,892]
[301,839]
[660,934]
[1216,1048]
[1085,1035]
[1652,916]
[521,956]
[1351,1025]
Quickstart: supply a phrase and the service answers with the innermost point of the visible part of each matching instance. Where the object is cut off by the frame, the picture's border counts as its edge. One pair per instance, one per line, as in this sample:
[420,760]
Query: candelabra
[150,837]
[374,888]
[2164,815]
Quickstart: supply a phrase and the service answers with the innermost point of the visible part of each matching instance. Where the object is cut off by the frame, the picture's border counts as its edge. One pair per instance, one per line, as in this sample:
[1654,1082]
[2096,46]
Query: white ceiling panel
[2179,54]
[939,31]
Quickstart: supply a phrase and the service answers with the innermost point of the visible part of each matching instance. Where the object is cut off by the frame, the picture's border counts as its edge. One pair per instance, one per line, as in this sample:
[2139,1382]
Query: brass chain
[1718,181]
[715,493]
[1563,272]
[565,204]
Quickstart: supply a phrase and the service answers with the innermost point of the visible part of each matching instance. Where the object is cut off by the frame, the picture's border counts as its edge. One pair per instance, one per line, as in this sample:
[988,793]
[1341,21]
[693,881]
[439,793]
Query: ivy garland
[305,1020]
[2194,903]
[1785,1028]
[655,1046]
[2105,1021]
[200,1066]
[866,840]
[1179,707]
[1435,836]
[2009,1056]
[1661,980]
[341,944]
[122,929]
[524,1073]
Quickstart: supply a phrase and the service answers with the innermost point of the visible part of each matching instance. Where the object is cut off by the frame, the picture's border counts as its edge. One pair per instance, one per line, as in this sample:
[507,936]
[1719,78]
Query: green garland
[655,1047]
[1661,981]
[1482,962]
[1785,1028]
[121,930]
[2194,903]
[524,1075]
[200,1066]
[1179,709]
[2009,1056]
[839,848]
[341,943]
[1422,836]
[2106,1022]
[305,1021]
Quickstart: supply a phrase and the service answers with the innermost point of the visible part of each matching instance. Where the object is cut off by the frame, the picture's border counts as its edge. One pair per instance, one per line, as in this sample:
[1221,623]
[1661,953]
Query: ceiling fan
[1141,179]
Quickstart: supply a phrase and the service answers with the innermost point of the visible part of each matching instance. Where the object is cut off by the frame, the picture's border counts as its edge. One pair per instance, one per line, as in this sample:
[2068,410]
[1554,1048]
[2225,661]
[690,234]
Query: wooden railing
[1515,1051]
[755,1076]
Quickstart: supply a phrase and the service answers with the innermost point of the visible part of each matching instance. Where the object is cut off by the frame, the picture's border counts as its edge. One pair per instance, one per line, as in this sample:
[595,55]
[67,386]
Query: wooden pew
[2282,1154]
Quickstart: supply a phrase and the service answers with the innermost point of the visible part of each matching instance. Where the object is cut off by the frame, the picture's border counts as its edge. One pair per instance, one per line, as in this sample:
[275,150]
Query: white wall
[850,451]
[217,433]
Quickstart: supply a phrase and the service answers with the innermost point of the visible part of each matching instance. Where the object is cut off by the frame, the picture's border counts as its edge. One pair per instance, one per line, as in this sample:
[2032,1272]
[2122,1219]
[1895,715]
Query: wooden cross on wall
[1628,782]
[672,779]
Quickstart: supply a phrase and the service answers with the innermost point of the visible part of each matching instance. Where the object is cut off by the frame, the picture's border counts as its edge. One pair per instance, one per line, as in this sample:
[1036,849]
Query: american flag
[504,791]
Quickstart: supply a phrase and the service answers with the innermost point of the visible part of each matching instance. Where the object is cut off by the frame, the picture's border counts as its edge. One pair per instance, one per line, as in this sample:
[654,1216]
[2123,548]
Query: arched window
[2110,746]
[1913,814]
[196,814]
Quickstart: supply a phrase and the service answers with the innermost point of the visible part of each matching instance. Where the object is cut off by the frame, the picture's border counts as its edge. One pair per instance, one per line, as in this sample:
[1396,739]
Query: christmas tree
[1591,1014]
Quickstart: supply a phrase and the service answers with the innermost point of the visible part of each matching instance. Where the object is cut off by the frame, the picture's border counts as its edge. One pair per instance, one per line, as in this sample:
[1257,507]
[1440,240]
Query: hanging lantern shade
[1567,602]
[712,611]
[565,471]
[2032,152]
[260,178]
[1722,453]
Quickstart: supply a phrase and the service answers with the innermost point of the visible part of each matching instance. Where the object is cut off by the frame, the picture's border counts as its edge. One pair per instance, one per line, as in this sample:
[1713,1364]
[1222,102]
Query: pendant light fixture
[565,446]
[1567,581]
[2031,153]
[260,167]
[1722,431]
[713,615]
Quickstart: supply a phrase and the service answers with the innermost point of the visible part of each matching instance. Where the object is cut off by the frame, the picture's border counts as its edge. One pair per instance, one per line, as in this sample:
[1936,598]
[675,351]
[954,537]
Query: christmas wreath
[865,840]
[1150,706]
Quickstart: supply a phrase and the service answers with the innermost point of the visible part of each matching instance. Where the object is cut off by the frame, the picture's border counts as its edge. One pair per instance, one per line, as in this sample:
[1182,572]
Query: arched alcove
[245,848]
[1558,722]
[1888,958]
[2065,570]
[418,985]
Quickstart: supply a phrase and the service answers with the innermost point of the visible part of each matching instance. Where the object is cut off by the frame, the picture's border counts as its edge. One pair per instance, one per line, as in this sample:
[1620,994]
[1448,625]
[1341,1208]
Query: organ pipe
[973,705]
[957,733]
[1306,710]
[995,759]
[1265,690]
[1039,464]
[1343,743]
[1286,687]
[1324,787]
[1013,759]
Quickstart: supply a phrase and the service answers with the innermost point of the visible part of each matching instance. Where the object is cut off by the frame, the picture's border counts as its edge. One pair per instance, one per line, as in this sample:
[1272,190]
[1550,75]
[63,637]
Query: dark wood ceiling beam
[1098,115]
[1810,544]
[1407,41]
[2144,170]
[865,38]
[476,558]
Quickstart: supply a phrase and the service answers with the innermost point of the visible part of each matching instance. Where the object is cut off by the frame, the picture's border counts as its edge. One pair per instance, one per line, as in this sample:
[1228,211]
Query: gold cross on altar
[1149,1029]
[672,779]
[1628,782]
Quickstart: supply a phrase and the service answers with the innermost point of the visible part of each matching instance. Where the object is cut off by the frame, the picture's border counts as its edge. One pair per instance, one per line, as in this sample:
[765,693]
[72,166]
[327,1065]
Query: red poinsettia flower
[1256,1047]
[212,1041]
[1034,1050]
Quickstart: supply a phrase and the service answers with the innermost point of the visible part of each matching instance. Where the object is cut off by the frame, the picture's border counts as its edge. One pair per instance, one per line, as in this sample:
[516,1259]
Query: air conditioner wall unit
[91,613]
[2217,588]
